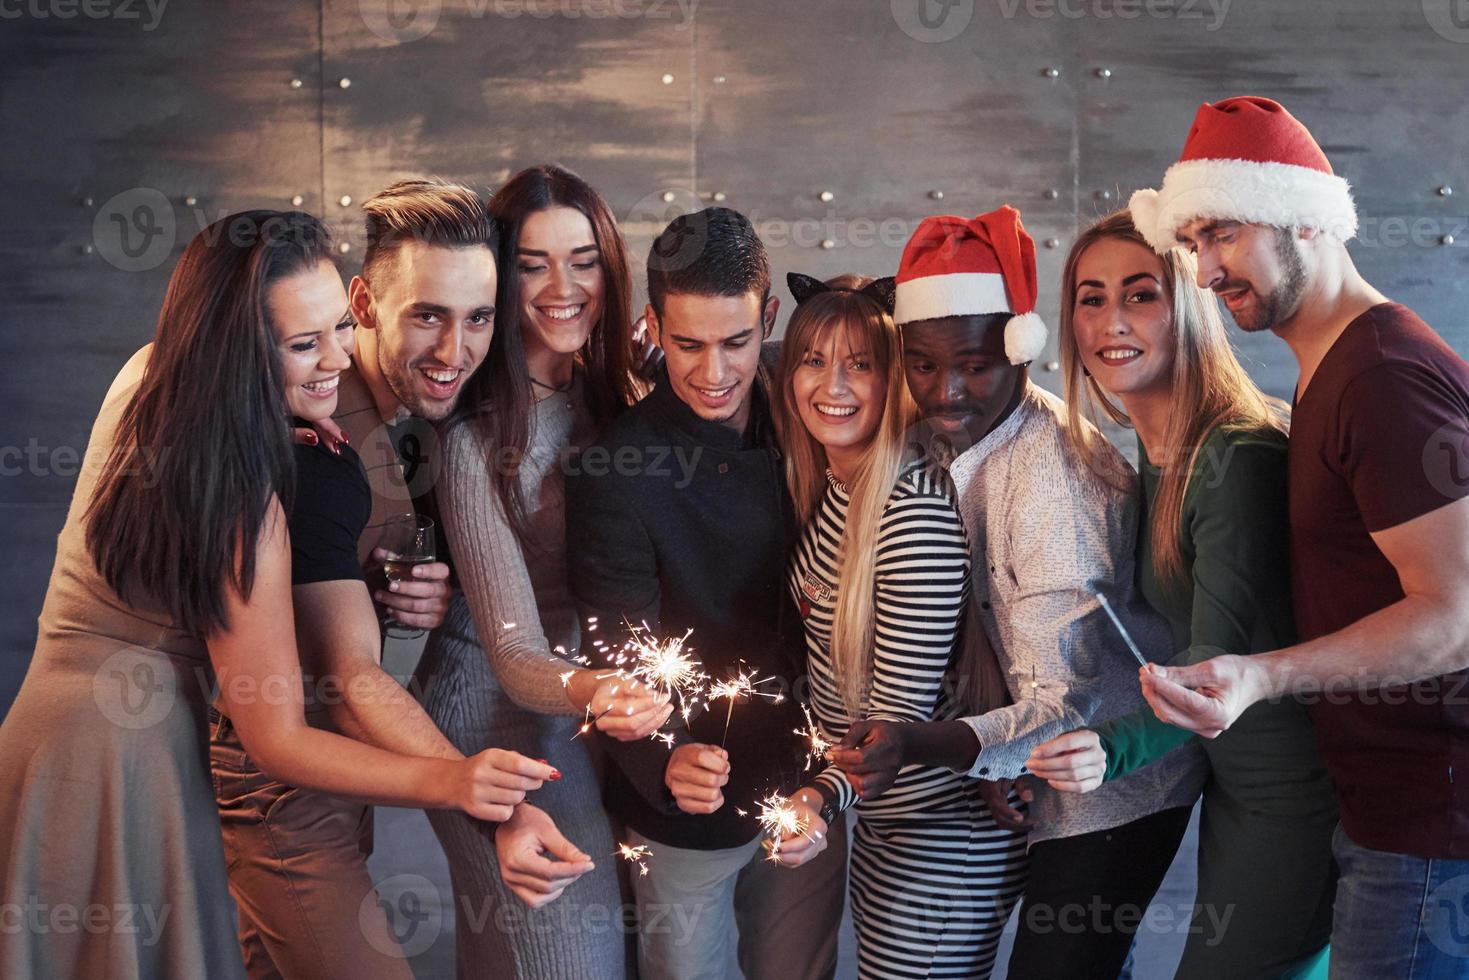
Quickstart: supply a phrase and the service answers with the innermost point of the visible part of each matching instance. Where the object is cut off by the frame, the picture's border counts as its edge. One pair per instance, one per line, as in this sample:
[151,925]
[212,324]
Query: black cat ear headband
[882,290]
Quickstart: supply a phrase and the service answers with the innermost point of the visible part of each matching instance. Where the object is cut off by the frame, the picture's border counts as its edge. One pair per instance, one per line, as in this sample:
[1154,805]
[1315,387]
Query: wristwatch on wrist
[828,809]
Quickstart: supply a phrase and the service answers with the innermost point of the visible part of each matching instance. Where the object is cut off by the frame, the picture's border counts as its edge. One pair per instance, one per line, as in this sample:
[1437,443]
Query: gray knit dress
[491,677]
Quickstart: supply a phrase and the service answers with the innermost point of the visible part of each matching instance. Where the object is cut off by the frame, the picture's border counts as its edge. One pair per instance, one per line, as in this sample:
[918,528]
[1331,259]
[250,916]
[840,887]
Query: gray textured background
[126,128]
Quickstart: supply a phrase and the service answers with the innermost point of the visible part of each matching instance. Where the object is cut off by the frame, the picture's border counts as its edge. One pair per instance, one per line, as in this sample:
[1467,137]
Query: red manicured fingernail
[555,775]
[346,440]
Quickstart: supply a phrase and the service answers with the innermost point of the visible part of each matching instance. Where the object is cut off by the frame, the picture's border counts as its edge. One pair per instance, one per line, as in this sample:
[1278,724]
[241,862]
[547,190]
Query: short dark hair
[714,252]
[432,211]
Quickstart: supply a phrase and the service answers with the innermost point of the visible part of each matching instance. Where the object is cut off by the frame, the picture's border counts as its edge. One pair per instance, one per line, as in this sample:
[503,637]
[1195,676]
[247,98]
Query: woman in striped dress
[881,576]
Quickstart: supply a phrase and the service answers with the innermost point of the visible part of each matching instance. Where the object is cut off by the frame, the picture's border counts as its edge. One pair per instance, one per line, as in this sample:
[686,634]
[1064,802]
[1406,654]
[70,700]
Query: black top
[689,526]
[331,507]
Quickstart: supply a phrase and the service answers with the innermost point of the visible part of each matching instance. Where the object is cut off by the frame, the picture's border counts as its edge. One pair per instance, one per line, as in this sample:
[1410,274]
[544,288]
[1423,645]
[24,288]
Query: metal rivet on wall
[668,197]
[1446,240]
[87,249]
[827,196]
[1053,365]
[1051,193]
[345,83]
[1052,242]
[719,195]
[88,201]
[720,79]
[344,248]
[1051,72]
[345,200]
[935,195]
[295,83]
[1445,191]
[190,201]
[828,244]
[667,79]
[297,201]
[1104,73]
[1103,195]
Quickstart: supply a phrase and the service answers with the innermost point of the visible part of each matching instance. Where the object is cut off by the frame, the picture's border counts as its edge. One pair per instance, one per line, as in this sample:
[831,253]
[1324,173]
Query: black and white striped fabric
[933,877]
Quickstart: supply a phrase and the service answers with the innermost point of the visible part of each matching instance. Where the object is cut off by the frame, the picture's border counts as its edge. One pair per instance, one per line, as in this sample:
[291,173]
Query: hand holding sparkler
[626,708]
[696,775]
[523,844]
[795,832]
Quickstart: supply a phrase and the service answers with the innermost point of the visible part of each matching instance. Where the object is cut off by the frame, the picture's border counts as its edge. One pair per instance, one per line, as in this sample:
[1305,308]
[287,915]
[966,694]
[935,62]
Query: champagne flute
[409,540]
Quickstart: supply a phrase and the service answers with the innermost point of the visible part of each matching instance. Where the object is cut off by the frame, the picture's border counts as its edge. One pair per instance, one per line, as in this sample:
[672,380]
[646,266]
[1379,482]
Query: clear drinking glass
[409,540]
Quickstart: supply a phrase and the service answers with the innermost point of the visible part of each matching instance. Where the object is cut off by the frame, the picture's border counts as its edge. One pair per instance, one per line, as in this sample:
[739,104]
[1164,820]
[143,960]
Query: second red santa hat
[1246,159]
[956,266]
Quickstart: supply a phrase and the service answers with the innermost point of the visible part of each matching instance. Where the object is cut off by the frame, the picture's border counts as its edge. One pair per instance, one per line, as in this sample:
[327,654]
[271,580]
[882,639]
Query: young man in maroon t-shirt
[1379,510]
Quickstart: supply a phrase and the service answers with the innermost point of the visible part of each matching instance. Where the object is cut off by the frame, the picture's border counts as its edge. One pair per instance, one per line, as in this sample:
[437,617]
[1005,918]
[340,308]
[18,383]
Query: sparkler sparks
[817,742]
[666,668]
[635,855]
[778,820]
[742,685]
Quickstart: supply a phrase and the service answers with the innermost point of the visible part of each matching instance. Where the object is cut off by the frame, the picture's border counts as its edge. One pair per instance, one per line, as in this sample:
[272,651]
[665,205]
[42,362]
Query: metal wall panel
[123,135]
[665,105]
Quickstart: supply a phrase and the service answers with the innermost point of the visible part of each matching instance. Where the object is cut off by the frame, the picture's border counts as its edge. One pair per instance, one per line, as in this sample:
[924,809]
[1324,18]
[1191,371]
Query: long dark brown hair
[210,413]
[497,398]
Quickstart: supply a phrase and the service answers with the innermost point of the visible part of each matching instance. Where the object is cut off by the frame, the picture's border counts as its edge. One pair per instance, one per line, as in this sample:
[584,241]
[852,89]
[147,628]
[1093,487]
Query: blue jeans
[1398,917]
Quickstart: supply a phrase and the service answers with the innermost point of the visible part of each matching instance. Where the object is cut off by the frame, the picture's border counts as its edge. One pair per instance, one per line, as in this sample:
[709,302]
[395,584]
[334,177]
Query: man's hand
[1072,763]
[809,840]
[1207,697]
[422,602]
[523,843]
[695,776]
[996,794]
[871,755]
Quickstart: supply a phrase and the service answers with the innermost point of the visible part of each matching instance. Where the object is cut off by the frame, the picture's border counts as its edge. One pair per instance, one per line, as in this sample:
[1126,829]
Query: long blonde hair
[869,327]
[1209,385]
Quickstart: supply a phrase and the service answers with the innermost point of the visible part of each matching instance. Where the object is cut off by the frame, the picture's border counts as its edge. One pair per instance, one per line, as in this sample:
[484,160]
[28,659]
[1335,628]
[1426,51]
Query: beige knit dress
[110,857]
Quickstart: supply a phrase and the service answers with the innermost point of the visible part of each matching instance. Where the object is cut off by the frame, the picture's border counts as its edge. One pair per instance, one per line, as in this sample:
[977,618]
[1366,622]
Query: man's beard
[1273,308]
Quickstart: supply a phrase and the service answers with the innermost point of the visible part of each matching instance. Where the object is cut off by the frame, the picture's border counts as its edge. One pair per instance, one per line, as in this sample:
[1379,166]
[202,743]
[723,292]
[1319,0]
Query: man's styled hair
[714,252]
[428,210]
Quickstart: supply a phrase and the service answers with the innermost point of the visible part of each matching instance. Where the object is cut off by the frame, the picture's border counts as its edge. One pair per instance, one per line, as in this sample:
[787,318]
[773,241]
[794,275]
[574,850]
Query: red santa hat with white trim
[956,266]
[1246,159]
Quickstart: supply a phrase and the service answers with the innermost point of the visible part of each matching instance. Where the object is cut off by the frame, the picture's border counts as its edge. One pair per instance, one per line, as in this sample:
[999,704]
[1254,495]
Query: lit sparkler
[635,855]
[817,742]
[742,685]
[779,820]
[666,668]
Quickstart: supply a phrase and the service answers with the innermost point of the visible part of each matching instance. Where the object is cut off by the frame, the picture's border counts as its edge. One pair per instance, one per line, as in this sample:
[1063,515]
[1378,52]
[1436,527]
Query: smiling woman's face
[562,284]
[308,312]
[1123,320]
